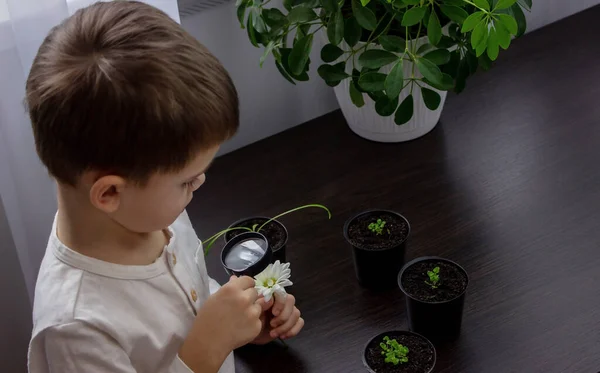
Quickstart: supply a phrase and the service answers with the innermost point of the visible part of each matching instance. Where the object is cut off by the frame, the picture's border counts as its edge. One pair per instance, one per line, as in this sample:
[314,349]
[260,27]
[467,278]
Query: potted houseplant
[435,296]
[391,61]
[378,239]
[399,352]
[274,231]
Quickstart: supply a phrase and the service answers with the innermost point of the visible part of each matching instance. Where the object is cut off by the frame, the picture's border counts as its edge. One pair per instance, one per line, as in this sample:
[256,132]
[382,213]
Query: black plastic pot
[279,253]
[394,334]
[377,269]
[257,267]
[438,321]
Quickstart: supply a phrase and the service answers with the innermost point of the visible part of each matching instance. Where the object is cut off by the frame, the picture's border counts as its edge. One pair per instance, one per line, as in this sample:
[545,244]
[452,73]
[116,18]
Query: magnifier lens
[245,253]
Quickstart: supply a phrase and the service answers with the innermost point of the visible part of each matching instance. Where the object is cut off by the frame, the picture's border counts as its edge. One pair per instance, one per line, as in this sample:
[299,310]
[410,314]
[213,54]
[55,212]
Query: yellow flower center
[270,282]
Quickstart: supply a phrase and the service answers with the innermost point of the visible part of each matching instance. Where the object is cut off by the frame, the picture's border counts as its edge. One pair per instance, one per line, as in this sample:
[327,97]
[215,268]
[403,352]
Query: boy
[128,111]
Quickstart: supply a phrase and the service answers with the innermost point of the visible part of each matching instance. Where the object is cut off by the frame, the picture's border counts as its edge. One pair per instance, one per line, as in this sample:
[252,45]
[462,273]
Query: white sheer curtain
[27,192]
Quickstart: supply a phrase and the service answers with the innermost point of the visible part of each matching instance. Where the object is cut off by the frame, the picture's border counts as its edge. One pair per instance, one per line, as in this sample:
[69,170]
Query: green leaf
[241,14]
[288,4]
[386,106]
[405,111]
[376,58]
[479,35]
[365,2]
[424,48]
[411,2]
[392,43]
[332,73]
[284,73]
[356,96]
[303,3]
[413,16]
[481,47]
[251,31]
[301,15]
[395,80]
[268,50]
[446,42]
[482,4]
[454,2]
[372,81]
[504,37]
[455,13]
[438,56]
[376,95]
[285,56]
[364,16]
[485,62]
[274,18]
[472,21]
[508,22]
[526,4]
[299,55]
[504,4]
[431,98]
[493,45]
[434,29]
[517,12]
[330,6]
[335,28]
[330,53]
[257,20]
[352,31]
[429,70]
[446,84]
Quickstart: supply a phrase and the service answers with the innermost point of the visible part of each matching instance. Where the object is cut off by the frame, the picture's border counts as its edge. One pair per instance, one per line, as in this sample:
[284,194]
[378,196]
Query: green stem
[470,3]
[211,240]
[294,210]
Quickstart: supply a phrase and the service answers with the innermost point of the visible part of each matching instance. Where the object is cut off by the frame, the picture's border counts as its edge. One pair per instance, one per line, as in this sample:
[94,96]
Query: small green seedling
[377,227]
[393,351]
[434,278]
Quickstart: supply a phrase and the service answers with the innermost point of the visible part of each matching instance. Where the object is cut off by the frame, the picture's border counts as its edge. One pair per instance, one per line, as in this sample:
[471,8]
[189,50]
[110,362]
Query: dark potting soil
[453,281]
[394,232]
[274,233]
[420,355]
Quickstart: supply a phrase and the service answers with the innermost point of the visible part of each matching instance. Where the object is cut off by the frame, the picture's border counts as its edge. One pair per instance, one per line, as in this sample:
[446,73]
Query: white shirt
[93,316]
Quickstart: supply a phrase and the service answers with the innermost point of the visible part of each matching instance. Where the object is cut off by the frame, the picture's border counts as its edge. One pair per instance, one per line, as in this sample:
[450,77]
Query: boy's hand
[281,321]
[230,318]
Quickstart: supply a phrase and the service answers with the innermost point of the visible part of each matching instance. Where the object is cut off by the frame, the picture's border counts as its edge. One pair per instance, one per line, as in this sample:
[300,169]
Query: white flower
[273,280]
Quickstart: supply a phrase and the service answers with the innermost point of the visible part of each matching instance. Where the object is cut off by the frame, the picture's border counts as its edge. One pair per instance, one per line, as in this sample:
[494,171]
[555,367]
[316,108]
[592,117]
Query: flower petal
[285,283]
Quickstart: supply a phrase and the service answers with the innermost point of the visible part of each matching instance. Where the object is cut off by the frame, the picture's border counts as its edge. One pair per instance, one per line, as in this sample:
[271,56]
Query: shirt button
[194,295]
[174,259]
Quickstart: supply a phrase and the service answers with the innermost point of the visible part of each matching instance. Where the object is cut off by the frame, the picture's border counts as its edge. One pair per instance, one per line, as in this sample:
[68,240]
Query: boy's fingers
[244,282]
[288,325]
[265,305]
[280,306]
[284,313]
[295,330]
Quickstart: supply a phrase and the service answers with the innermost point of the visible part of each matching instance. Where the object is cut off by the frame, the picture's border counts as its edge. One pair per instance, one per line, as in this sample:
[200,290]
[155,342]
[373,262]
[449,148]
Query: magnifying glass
[247,254]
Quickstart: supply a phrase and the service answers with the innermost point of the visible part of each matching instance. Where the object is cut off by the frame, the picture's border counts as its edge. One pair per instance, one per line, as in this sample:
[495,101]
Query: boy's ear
[105,193]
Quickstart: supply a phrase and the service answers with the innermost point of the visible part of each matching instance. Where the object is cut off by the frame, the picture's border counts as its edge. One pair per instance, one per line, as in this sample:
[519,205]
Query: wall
[548,11]
[15,319]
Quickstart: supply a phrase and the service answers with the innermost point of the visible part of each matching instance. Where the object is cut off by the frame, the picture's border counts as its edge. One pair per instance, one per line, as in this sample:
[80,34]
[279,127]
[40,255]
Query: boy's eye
[190,184]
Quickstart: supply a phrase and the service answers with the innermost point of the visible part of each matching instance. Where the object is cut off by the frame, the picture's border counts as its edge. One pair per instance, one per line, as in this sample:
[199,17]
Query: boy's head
[128,109]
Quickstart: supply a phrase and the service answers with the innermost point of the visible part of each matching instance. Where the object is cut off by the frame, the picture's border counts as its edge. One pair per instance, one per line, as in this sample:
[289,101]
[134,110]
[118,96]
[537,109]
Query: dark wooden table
[508,185]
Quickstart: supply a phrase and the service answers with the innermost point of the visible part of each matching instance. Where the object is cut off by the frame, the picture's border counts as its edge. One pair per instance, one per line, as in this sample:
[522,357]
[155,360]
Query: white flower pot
[365,121]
